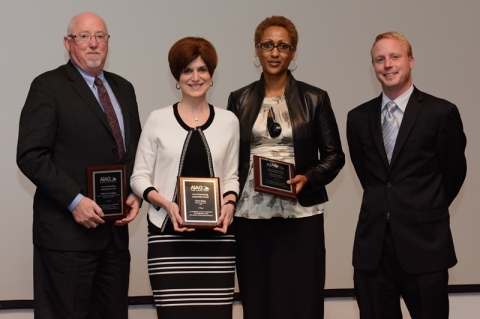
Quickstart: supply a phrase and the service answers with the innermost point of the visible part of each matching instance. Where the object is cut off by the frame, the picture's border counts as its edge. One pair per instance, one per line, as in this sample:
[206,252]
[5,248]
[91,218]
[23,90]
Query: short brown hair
[393,35]
[188,49]
[277,21]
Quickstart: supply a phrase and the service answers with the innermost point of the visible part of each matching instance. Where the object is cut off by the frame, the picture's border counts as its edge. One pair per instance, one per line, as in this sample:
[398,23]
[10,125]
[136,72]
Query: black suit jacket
[428,168]
[63,129]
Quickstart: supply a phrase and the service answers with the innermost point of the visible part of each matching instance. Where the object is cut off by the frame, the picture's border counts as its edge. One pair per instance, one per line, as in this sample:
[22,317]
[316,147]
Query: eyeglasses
[281,47]
[274,128]
[86,37]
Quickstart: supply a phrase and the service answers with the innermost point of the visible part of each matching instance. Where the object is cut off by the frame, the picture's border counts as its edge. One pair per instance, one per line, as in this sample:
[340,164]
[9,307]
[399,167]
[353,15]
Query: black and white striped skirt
[192,274]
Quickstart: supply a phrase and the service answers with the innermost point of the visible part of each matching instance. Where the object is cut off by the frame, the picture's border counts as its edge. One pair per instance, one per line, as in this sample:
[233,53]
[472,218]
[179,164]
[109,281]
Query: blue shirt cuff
[75,202]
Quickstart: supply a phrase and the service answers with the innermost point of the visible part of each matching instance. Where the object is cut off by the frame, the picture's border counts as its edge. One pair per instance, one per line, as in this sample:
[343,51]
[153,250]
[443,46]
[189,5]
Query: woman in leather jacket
[280,242]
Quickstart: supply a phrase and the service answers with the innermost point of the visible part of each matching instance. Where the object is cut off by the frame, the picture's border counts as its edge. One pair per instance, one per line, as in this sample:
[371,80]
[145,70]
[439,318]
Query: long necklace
[195,117]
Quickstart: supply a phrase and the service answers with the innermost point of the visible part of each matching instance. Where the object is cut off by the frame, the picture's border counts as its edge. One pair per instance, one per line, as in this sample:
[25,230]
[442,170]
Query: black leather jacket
[314,130]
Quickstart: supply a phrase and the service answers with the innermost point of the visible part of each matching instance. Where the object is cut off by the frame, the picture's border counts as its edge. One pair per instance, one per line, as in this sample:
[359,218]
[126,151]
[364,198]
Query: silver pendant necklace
[197,116]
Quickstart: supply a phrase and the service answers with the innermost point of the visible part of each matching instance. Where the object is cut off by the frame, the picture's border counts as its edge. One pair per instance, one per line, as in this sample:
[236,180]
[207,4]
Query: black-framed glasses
[281,47]
[86,37]
[274,128]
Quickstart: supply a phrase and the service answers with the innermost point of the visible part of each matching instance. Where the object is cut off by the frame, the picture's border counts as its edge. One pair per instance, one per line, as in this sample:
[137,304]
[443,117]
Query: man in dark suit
[407,148]
[81,262]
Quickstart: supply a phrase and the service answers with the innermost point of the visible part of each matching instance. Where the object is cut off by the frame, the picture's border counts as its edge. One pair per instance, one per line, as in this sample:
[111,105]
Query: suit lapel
[374,117]
[411,113]
[86,94]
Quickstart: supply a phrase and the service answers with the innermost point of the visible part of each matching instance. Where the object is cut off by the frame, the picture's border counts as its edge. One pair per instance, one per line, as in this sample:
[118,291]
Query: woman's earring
[211,84]
[257,66]
[177,86]
[296,65]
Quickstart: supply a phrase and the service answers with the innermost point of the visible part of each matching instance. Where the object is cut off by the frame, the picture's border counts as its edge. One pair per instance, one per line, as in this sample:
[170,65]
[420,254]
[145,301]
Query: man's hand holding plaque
[106,186]
[271,176]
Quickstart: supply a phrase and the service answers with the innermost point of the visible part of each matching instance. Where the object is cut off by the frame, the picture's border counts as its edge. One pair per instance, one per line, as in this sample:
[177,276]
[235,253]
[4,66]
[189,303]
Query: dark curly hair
[277,21]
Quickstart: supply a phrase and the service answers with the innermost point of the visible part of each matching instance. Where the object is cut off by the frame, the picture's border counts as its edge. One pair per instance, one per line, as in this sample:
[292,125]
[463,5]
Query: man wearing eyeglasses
[74,117]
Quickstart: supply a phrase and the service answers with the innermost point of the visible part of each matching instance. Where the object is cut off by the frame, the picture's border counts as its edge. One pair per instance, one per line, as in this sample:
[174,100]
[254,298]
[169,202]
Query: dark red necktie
[111,116]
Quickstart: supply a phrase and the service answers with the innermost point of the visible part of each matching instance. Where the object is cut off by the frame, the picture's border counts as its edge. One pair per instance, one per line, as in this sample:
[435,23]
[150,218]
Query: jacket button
[389,185]
[383,214]
[114,150]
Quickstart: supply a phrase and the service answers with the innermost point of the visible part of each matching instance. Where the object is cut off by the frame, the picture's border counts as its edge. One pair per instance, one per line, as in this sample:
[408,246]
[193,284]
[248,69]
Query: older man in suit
[408,150]
[81,261]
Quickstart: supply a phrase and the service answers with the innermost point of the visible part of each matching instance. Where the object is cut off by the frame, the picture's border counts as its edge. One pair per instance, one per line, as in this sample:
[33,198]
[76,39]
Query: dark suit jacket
[428,168]
[63,129]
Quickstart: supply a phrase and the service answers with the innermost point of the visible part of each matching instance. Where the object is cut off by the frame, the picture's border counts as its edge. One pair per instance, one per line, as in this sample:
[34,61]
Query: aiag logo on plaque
[274,165]
[199,188]
[108,179]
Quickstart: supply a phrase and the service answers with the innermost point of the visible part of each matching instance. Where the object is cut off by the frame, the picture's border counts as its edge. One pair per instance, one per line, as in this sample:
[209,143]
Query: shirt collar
[400,101]
[88,77]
